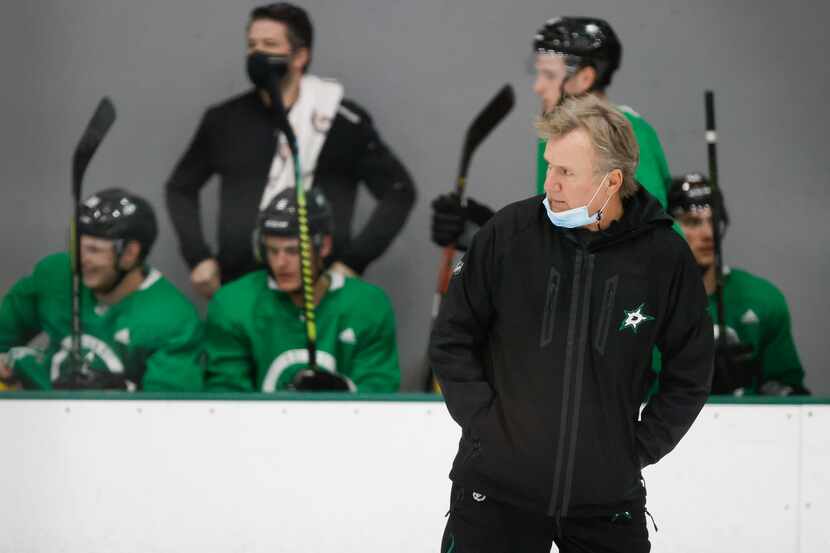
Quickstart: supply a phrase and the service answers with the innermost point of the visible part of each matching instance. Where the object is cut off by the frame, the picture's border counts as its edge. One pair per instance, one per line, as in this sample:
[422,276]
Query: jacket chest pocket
[626,322]
[609,295]
[549,313]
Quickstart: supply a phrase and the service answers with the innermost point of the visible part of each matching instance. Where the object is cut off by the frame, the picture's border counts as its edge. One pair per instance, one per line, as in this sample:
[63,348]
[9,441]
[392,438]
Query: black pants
[478,524]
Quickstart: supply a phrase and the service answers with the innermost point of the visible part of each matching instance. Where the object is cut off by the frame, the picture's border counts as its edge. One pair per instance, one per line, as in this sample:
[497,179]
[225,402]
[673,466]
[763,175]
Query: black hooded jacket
[543,351]
[236,141]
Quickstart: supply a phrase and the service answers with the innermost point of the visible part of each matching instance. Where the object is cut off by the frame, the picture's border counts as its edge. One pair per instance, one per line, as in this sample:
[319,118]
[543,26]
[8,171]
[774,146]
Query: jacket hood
[642,213]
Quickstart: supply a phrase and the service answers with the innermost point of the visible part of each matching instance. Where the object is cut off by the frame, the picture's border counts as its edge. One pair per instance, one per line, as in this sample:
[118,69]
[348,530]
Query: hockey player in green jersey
[139,331]
[256,338]
[758,354]
[573,56]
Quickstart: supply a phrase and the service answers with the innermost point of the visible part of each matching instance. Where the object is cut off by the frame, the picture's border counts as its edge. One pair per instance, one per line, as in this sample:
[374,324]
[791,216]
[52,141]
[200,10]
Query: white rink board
[83,476]
[731,484]
[815,477]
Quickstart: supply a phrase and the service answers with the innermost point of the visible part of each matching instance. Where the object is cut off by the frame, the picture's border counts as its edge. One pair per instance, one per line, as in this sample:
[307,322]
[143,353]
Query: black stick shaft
[712,151]
[97,128]
[75,351]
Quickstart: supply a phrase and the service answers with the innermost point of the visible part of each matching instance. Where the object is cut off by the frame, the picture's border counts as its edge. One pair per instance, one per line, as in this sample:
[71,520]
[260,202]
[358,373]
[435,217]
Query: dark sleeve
[389,183]
[460,333]
[687,345]
[182,190]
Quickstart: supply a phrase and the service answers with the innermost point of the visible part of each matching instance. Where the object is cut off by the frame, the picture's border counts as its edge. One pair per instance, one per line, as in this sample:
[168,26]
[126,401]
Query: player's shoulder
[639,123]
[358,297]
[242,292]
[53,266]
[749,284]
[158,293]
[51,274]
[356,287]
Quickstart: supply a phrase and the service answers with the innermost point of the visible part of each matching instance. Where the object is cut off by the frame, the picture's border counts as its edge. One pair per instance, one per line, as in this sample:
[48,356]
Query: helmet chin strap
[120,274]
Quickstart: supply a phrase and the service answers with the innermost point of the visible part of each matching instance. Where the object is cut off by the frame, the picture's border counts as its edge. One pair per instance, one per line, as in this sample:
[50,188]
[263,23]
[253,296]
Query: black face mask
[266,71]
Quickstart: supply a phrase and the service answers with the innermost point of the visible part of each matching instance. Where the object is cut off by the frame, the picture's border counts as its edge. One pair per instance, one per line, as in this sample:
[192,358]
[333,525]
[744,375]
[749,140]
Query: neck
[129,284]
[321,286]
[612,212]
[710,280]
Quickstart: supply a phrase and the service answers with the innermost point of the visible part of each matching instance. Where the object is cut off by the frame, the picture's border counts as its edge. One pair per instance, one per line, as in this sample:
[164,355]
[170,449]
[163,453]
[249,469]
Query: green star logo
[634,318]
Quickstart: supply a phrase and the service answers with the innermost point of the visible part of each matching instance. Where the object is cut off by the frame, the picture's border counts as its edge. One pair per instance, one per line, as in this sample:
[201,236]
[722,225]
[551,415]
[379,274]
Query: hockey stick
[96,130]
[716,208]
[273,68]
[484,123]
[487,119]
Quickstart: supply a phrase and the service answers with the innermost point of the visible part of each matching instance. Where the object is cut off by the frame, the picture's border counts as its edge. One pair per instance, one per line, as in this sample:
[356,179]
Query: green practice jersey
[256,336]
[152,336]
[652,171]
[757,311]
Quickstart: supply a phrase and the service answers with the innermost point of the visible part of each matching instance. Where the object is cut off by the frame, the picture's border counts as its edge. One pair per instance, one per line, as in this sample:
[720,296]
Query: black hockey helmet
[280,216]
[692,192]
[583,41]
[115,214]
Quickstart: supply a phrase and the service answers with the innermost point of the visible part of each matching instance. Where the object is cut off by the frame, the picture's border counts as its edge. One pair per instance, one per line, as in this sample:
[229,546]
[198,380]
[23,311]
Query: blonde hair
[610,132]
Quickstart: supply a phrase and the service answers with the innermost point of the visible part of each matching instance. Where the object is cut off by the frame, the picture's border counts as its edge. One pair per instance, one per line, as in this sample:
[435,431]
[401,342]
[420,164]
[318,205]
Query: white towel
[311,117]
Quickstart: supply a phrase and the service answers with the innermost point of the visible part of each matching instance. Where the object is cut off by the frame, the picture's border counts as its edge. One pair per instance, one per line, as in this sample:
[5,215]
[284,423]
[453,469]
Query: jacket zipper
[573,368]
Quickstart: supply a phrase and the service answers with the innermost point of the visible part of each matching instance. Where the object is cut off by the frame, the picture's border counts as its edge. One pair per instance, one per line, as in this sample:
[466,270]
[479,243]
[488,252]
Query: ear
[584,79]
[299,60]
[130,256]
[615,181]
[326,246]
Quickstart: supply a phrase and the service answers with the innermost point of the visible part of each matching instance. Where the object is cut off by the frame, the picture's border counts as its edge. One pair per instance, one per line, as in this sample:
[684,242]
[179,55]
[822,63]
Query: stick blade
[96,129]
[497,109]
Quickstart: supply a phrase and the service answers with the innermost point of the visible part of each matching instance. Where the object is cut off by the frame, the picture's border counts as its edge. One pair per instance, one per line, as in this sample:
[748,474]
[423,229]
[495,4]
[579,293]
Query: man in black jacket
[543,350]
[339,148]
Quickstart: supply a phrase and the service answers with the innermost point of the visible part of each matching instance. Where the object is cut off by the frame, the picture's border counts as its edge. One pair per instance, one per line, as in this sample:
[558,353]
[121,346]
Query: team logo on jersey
[348,336]
[123,336]
[291,358]
[750,317]
[634,318]
[91,347]
[479,497]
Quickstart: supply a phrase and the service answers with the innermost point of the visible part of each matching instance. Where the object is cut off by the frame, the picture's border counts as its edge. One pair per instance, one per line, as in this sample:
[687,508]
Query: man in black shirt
[339,148]
[543,351]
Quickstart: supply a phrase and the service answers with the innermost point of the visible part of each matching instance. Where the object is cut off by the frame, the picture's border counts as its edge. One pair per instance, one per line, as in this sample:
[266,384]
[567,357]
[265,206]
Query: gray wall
[423,69]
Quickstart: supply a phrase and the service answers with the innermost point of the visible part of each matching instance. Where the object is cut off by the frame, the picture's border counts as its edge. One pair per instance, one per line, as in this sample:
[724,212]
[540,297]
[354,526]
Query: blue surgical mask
[578,216]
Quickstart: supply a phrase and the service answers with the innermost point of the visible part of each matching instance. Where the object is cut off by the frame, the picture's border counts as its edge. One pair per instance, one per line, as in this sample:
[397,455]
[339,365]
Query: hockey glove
[736,370]
[308,380]
[451,219]
[90,380]
[776,388]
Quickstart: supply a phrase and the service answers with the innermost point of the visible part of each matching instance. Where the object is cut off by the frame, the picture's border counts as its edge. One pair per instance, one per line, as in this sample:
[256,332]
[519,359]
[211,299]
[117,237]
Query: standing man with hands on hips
[339,148]
[543,351]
